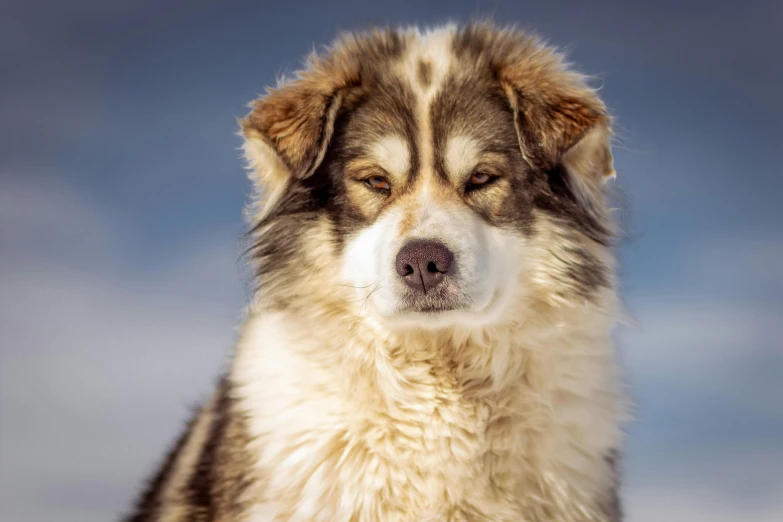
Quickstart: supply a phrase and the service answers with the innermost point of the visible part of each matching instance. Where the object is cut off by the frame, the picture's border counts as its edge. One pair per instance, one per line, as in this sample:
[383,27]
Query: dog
[431,339]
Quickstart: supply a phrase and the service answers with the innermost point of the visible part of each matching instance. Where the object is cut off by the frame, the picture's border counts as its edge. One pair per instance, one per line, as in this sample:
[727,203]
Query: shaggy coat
[476,385]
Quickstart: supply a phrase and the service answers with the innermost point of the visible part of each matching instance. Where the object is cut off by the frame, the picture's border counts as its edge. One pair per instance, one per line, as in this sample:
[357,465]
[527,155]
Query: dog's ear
[559,121]
[288,130]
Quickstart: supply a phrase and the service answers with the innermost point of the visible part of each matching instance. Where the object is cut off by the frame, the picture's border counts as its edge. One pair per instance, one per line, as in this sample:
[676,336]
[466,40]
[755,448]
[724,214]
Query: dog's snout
[423,264]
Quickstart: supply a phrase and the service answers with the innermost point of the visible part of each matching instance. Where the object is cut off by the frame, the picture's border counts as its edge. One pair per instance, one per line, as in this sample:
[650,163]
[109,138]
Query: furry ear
[288,130]
[568,129]
[556,127]
[590,165]
[549,124]
[559,119]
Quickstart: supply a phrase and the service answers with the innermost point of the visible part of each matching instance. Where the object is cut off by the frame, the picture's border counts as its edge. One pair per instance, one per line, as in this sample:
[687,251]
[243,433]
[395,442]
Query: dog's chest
[420,453]
[406,440]
[428,454]
[430,445]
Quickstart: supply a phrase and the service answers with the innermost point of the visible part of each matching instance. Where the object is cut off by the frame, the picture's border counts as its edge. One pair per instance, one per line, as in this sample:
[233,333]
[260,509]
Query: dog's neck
[481,360]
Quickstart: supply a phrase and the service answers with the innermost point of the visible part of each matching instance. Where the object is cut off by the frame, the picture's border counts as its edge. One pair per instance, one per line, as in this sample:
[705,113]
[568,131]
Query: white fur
[269,176]
[392,154]
[462,155]
[352,421]
[486,261]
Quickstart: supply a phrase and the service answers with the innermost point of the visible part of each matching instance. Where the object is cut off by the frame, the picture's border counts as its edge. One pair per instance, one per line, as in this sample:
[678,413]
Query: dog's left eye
[478,180]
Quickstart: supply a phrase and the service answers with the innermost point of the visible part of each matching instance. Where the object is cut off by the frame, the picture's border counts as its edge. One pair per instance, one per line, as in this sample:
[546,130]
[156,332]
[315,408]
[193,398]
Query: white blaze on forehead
[433,50]
[462,155]
[393,155]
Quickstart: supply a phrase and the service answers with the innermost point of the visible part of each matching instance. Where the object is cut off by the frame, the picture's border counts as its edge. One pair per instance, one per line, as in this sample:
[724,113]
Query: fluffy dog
[431,337]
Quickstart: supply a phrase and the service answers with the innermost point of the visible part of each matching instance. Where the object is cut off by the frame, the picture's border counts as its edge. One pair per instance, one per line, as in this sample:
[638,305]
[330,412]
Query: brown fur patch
[424,73]
[150,502]
[407,222]
[553,107]
[297,119]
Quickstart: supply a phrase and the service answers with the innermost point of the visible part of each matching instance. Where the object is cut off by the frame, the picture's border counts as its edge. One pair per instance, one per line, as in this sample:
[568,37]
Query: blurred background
[121,190]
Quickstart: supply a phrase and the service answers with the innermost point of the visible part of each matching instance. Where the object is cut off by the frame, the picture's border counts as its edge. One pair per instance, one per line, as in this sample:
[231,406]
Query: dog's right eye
[378,183]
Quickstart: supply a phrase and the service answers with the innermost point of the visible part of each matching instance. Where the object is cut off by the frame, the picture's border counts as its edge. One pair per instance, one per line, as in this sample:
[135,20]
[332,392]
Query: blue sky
[121,192]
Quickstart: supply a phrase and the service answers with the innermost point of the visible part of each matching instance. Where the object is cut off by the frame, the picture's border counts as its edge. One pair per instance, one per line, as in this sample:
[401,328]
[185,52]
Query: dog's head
[431,179]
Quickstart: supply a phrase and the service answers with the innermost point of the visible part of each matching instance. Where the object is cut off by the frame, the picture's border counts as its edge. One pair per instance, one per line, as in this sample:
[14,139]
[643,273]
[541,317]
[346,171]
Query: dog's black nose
[423,264]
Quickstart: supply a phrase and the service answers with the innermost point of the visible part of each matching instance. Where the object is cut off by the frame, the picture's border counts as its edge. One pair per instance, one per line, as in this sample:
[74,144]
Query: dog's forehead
[429,115]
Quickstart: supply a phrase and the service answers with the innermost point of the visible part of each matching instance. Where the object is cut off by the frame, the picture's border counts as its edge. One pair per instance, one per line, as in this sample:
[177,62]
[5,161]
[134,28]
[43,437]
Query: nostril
[407,270]
[432,268]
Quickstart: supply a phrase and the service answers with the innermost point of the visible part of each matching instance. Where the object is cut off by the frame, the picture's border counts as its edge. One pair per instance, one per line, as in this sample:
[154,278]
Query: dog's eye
[378,183]
[479,179]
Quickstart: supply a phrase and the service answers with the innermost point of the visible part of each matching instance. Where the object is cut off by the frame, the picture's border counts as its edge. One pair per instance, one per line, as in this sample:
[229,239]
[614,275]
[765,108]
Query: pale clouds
[695,505]
[99,366]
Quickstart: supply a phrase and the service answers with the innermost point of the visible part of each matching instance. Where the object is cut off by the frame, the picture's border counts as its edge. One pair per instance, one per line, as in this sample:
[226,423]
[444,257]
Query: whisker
[361,298]
[351,286]
[368,298]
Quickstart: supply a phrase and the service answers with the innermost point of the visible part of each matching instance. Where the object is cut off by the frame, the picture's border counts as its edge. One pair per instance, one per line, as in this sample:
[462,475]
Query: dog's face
[434,175]
[439,209]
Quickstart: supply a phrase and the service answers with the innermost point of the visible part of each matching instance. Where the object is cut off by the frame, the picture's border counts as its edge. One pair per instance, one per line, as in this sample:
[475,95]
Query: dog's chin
[438,316]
